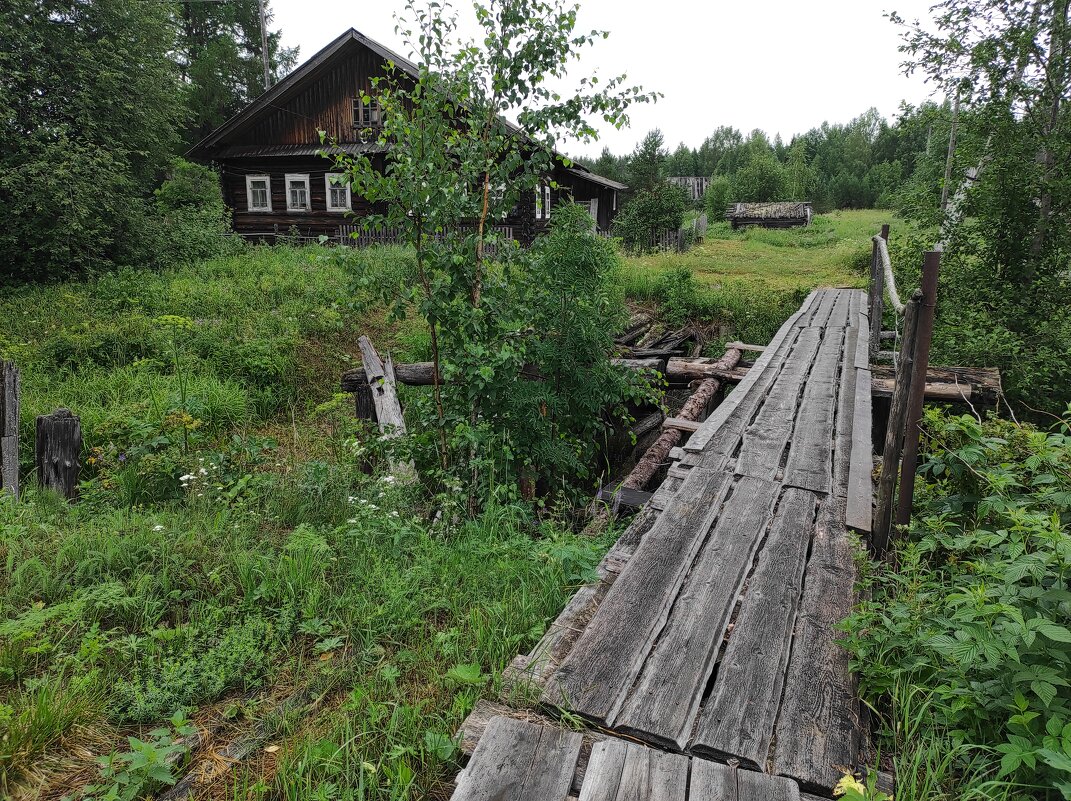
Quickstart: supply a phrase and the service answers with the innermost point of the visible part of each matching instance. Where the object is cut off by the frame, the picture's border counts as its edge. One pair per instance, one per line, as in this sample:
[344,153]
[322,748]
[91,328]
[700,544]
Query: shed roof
[583,172]
[781,210]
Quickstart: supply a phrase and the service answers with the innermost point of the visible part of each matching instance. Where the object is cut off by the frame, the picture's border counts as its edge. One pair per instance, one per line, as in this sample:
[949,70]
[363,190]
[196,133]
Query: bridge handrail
[890,280]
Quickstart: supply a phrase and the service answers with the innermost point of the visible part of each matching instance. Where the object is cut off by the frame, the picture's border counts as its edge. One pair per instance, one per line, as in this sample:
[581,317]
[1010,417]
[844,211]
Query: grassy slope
[151,596]
[827,254]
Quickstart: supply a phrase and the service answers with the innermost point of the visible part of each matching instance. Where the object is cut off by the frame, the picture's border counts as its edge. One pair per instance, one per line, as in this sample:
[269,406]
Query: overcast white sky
[781,65]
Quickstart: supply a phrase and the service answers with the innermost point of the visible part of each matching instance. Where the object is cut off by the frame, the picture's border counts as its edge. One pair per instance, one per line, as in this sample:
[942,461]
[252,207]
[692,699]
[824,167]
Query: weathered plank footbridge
[703,664]
[704,661]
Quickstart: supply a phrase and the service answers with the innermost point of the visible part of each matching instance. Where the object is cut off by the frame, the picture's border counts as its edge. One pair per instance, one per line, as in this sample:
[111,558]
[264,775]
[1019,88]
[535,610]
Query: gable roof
[291,85]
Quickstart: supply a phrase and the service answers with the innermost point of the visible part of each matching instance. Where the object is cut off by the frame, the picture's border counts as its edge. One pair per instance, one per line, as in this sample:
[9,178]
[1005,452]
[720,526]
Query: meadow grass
[747,282]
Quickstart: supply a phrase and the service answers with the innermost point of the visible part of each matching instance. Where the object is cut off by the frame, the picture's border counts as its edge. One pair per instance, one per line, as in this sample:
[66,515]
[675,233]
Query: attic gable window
[338,191]
[297,192]
[258,192]
[367,112]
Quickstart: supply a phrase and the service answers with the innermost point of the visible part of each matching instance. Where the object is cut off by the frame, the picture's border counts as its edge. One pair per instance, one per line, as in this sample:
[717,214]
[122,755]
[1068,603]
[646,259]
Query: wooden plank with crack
[713,782]
[608,655]
[664,702]
[738,718]
[520,761]
[779,345]
[810,453]
[621,771]
[819,728]
[765,439]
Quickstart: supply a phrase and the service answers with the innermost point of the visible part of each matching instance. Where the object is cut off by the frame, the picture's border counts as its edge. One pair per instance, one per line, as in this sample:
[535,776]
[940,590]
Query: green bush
[972,612]
[718,196]
[648,213]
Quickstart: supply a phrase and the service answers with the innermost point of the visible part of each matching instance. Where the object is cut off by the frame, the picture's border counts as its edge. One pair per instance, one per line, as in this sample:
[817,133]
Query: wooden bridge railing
[910,365]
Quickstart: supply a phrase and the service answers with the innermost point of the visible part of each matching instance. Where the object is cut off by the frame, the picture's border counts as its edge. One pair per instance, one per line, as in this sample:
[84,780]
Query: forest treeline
[97,100]
[864,163]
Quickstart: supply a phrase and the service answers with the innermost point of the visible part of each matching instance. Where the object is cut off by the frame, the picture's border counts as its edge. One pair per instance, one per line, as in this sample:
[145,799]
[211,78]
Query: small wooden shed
[770,215]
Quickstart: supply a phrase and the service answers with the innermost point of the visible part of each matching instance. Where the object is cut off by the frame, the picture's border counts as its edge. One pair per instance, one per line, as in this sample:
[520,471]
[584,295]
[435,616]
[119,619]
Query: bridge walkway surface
[704,659]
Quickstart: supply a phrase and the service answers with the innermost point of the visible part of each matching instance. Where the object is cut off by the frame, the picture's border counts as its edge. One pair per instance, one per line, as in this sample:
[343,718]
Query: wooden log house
[274,179]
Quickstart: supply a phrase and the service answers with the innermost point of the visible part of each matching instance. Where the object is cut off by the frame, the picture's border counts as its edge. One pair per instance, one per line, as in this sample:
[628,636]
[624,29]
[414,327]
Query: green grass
[746,283]
[239,535]
[833,251]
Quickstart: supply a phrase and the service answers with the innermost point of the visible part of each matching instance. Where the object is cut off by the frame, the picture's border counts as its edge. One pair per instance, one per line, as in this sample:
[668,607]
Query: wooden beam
[9,428]
[59,452]
[680,424]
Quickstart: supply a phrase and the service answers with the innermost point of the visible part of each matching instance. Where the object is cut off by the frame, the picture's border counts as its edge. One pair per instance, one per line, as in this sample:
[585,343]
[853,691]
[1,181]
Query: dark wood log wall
[324,102]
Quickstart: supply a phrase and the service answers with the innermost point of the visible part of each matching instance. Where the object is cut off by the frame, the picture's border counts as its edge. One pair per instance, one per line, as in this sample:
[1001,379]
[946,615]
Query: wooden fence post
[9,428]
[876,298]
[930,267]
[58,452]
[894,431]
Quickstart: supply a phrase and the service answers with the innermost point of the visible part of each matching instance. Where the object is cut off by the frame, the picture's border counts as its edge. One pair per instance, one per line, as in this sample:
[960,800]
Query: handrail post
[930,267]
[876,299]
[894,431]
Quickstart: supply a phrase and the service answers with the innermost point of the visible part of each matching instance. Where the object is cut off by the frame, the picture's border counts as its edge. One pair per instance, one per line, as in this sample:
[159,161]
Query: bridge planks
[520,761]
[517,760]
[717,638]
[739,717]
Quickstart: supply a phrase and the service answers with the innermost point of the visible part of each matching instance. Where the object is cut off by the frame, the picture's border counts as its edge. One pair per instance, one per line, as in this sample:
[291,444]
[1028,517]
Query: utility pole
[264,45]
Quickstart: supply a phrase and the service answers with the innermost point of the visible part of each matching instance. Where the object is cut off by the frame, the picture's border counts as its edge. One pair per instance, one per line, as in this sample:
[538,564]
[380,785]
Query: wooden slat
[713,782]
[827,299]
[841,311]
[860,511]
[620,771]
[810,306]
[738,718]
[680,424]
[607,657]
[809,464]
[819,728]
[766,437]
[862,344]
[784,338]
[665,700]
[520,761]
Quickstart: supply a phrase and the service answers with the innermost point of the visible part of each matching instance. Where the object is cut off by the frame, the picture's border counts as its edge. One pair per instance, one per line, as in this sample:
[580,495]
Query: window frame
[542,202]
[249,179]
[304,178]
[360,105]
[328,186]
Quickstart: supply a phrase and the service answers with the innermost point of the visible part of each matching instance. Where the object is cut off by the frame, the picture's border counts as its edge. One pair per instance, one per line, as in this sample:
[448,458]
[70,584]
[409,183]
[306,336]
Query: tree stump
[9,428]
[59,452]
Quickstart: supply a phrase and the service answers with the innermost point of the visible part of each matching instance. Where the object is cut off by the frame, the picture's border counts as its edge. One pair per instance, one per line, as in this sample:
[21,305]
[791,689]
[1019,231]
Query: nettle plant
[454,167]
[976,610]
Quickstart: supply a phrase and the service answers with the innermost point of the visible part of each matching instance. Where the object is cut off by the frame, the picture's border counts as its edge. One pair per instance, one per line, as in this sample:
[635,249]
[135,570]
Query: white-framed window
[543,202]
[591,206]
[338,191]
[297,192]
[258,192]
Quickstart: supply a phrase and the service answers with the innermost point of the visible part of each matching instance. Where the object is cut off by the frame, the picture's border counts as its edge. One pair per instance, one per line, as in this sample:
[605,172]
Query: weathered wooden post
[9,428]
[894,431]
[876,299]
[930,267]
[58,452]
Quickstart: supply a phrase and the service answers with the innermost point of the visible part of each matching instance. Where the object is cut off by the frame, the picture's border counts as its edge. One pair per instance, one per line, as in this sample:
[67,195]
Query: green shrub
[973,610]
[648,213]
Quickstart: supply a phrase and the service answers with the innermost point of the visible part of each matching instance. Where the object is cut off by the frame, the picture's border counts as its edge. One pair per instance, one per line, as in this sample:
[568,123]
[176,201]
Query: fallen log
[421,374]
[694,409]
